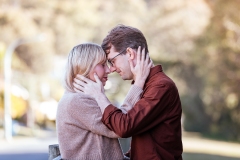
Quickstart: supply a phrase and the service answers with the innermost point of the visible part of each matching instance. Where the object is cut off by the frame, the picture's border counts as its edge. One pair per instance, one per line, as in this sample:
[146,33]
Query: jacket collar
[153,71]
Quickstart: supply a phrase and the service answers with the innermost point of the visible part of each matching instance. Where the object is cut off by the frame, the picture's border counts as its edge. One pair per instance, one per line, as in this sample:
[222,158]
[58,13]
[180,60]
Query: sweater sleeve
[150,110]
[87,115]
[131,98]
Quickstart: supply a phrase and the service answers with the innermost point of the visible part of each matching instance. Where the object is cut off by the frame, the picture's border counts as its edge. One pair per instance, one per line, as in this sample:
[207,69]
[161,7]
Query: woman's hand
[83,84]
[142,68]
[94,89]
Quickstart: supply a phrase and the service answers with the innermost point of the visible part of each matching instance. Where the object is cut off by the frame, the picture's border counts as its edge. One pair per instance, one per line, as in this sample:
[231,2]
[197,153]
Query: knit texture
[81,133]
[131,99]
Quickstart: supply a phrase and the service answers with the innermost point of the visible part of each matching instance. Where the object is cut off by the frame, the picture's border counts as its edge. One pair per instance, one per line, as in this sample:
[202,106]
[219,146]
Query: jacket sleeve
[131,99]
[149,111]
[87,115]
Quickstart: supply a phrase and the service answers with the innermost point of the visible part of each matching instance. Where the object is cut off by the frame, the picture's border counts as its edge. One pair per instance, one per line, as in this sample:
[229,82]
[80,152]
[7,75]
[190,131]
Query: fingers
[83,78]
[148,58]
[78,88]
[77,91]
[150,64]
[143,54]
[131,64]
[143,59]
[97,78]
[78,82]
[138,54]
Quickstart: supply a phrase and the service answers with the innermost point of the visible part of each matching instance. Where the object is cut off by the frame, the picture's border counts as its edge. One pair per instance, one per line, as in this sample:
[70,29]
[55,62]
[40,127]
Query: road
[26,148]
[195,148]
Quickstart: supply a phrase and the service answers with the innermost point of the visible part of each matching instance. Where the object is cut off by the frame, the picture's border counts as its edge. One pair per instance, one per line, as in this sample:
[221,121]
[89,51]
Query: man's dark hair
[122,37]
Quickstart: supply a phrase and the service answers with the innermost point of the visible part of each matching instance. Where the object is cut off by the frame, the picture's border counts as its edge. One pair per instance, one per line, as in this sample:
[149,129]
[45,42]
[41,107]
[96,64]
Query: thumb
[97,78]
[131,64]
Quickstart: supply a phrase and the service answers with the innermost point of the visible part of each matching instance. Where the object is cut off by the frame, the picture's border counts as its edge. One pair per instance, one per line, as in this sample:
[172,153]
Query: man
[154,122]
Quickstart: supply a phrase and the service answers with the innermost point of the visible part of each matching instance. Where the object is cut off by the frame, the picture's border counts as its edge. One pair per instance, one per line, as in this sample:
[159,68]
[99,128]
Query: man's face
[120,64]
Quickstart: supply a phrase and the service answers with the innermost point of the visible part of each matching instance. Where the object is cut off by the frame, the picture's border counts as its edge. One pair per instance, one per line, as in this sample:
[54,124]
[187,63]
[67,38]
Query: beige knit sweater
[81,134]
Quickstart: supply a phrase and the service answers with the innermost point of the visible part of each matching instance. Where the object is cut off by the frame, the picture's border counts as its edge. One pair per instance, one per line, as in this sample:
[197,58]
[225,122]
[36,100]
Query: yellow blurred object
[2,49]
[19,106]
[232,100]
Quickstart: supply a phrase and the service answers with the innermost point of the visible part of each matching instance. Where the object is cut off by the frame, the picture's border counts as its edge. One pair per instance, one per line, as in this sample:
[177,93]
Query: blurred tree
[196,41]
[218,68]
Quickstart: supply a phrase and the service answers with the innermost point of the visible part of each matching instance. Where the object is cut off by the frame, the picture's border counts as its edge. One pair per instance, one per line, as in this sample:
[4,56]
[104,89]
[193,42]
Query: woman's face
[102,71]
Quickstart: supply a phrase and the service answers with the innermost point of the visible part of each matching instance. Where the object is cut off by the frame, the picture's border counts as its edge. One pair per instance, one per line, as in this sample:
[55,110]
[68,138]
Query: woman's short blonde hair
[81,60]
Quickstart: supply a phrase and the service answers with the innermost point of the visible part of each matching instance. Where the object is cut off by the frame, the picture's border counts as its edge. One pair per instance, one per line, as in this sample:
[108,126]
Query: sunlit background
[196,41]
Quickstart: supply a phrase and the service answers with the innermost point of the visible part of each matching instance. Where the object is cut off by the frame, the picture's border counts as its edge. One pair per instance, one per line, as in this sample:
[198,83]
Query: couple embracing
[88,125]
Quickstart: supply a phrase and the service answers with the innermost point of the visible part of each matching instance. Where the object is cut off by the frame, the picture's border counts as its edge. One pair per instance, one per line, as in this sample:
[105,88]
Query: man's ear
[131,53]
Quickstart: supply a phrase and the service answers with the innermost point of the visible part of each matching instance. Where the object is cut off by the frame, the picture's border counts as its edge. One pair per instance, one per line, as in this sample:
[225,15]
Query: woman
[81,134]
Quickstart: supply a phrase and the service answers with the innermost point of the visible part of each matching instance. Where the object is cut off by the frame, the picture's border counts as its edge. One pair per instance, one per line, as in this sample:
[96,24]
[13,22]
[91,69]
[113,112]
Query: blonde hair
[81,60]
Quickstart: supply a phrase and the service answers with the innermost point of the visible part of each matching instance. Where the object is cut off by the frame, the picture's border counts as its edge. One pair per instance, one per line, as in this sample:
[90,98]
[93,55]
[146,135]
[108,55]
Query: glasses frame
[110,60]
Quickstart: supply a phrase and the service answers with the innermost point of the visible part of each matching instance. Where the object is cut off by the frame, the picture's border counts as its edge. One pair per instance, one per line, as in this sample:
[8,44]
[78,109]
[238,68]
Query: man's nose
[112,68]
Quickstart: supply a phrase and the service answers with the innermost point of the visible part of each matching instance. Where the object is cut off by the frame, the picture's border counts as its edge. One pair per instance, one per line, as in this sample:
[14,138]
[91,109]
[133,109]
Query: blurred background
[196,41]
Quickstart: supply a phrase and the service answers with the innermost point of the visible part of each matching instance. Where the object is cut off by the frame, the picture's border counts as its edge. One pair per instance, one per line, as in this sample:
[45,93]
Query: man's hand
[142,68]
[94,89]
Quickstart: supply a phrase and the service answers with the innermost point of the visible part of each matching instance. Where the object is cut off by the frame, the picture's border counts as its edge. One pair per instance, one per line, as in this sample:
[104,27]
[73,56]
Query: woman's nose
[107,70]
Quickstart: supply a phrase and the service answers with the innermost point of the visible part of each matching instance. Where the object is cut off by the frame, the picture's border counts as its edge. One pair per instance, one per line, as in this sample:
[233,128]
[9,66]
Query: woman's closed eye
[104,64]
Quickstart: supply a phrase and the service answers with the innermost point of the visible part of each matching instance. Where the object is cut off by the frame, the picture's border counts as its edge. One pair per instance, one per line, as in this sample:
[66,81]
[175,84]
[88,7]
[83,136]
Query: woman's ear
[131,53]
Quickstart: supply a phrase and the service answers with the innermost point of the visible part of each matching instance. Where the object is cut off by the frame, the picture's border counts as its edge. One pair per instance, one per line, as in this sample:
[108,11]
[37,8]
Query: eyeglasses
[110,60]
